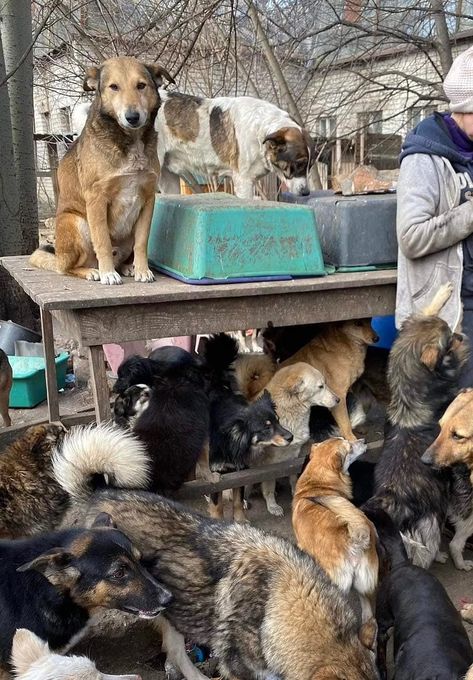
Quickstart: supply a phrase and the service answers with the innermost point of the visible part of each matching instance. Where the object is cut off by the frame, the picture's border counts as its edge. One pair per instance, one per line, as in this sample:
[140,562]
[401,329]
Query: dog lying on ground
[239,137]
[107,178]
[52,583]
[424,367]
[33,660]
[454,447]
[32,499]
[294,390]
[6,381]
[264,607]
[329,527]
[429,638]
[339,353]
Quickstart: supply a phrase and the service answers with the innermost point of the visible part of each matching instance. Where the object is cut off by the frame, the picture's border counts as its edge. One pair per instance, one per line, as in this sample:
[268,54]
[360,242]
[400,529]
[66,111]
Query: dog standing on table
[107,179]
[240,137]
[339,352]
[329,527]
[6,381]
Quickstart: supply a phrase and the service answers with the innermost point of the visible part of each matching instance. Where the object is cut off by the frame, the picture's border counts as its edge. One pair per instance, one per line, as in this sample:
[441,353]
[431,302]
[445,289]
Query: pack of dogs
[90,518]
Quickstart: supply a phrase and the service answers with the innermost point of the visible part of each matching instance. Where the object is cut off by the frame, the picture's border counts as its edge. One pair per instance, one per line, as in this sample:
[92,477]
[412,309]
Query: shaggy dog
[424,368]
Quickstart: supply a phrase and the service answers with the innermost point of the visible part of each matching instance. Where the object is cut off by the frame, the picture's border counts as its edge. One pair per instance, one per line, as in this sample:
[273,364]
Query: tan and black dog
[107,180]
[266,609]
[6,381]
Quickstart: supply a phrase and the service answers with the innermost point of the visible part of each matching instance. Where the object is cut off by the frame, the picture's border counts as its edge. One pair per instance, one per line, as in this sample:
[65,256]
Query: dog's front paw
[464,565]
[112,278]
[275,509]
[93,275]
[467,612]
[441,557]
[145,276]
[127,270]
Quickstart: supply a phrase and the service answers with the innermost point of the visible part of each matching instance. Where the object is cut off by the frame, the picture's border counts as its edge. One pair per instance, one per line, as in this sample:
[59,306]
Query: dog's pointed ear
[55,565]
[158,73]
[27,648]
[91,80]
[276,140]
[430,356]
[104,521]
[368,633]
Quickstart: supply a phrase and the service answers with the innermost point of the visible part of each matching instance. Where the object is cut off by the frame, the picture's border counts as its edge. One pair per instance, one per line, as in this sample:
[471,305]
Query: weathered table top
[52,291]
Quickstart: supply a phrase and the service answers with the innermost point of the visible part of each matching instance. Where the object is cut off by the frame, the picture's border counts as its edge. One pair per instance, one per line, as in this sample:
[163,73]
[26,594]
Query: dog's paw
[441,557]
[127,270]
[93,275]
[466,612]
[145,276]
[54,431]
[172,673]
[275,509]
[112,278]
[464,565]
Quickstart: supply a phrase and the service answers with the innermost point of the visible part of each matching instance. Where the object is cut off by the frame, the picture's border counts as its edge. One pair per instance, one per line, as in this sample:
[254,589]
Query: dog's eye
[119,574]
[113,87]
[457,437]
[141,86]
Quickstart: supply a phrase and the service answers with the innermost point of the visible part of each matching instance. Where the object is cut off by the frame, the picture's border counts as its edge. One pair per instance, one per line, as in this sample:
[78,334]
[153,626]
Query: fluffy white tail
[105,450]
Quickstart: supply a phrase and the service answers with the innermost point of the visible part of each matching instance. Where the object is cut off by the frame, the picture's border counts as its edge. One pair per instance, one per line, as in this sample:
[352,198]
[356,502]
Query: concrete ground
[121,644]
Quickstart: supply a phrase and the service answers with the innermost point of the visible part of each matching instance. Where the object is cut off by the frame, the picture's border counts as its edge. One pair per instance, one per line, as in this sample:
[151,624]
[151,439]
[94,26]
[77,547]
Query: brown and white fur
[107,180]
[294,390]
[33,660]
[253,371]
[6,381]
[339,352]
[239,137]
[329,527]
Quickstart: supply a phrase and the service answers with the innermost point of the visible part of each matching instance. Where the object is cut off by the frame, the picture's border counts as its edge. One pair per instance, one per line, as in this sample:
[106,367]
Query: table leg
[50,361]
[100,389]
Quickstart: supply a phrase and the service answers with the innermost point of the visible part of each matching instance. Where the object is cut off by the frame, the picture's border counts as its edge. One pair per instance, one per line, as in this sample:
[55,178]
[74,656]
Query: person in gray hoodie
[435,208]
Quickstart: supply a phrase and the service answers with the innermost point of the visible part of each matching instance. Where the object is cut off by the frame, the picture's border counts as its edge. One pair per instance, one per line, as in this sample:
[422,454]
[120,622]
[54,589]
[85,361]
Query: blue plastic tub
[385,327]
[29,379]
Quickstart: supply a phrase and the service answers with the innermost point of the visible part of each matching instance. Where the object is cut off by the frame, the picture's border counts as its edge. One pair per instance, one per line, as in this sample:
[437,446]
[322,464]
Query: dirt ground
[120,644]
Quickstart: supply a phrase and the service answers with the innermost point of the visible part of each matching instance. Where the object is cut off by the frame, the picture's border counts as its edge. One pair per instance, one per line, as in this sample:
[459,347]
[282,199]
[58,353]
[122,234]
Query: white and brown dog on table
[239,137]
[107,179]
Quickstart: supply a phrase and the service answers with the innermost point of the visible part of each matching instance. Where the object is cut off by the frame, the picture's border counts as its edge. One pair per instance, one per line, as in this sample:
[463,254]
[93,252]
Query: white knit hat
[458,85]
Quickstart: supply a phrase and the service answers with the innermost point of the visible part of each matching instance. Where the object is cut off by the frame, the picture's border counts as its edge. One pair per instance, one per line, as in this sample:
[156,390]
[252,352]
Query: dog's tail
[440,299]
[92,457]
[355,521]
[44,257]
[391,544]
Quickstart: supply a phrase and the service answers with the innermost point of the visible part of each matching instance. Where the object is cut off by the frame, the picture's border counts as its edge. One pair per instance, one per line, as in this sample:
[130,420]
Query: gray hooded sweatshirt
[431,223]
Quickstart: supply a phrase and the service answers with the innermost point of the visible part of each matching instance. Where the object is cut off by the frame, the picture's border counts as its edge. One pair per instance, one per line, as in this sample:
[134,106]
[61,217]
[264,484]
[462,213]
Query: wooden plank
[190,317]
[50,361]
[55,292]
[234,480]
[100,389]
[9,434]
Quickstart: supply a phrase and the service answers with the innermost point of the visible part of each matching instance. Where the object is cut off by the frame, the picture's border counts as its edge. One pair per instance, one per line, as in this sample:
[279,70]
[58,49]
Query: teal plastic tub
[29,379]
[220,238]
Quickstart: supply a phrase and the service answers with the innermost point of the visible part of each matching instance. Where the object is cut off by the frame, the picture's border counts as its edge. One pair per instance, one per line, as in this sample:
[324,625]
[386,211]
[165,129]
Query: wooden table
[94,314]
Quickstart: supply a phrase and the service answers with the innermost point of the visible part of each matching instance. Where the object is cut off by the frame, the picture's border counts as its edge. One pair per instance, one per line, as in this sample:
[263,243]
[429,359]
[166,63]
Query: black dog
[429,638]
[238,429]
[50,583]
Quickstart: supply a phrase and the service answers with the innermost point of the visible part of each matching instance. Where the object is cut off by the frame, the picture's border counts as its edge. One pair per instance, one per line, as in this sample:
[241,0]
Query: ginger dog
[107,179]
[329,527]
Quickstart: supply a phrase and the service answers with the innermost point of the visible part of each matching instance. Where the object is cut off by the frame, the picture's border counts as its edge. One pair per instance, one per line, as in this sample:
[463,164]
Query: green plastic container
[218,237]
[29,379]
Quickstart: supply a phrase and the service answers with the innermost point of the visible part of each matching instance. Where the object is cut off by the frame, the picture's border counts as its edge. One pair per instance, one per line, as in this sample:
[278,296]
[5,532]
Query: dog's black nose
[132,117]
[305,192]
[289,437]
[165,597]
[375,338]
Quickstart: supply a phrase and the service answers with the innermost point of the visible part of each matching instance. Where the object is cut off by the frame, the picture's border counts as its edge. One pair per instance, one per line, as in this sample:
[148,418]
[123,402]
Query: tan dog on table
[339,353]
[6,381]
[107,179]
[329,527]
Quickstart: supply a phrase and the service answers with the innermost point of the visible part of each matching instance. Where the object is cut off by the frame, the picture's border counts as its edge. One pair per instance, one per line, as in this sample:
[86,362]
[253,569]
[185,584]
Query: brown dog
[107,179]
[329,527]
[454,445]
[339,354]
[253,371]
[6,381]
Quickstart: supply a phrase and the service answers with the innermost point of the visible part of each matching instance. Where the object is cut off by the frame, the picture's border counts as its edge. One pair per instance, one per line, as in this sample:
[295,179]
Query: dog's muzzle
[428,456]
